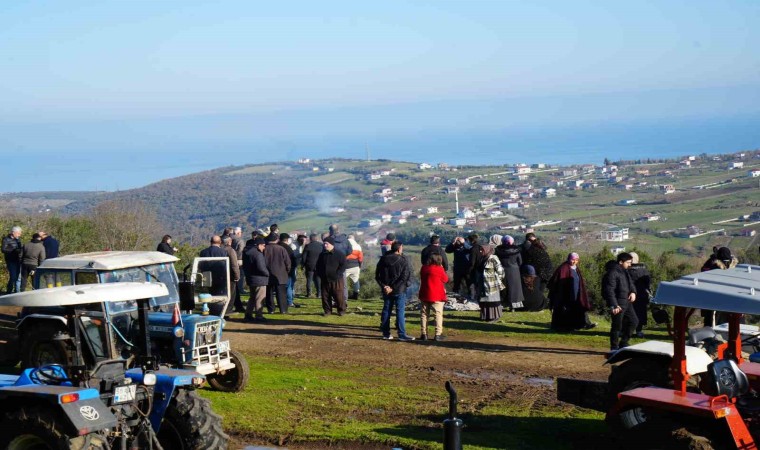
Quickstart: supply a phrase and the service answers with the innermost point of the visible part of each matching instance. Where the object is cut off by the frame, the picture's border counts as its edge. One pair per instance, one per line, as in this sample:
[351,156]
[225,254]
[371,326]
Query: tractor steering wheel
[49,374]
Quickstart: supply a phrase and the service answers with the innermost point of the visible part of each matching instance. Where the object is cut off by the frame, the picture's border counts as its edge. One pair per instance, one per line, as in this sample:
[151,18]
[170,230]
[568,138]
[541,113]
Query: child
[432,295]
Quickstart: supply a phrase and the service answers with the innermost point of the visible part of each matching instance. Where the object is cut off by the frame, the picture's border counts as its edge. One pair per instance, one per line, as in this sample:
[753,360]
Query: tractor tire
[190,424]
[637,421]
[233,380]
[35,428]
[40,347]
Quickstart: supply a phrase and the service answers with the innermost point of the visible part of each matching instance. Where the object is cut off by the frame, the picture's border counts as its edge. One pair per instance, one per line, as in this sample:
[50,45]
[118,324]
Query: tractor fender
[697,359]
[37,318]
[167,381]
[86,414]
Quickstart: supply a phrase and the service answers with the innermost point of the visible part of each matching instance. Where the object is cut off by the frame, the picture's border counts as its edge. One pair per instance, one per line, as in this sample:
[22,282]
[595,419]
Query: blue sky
[112,95]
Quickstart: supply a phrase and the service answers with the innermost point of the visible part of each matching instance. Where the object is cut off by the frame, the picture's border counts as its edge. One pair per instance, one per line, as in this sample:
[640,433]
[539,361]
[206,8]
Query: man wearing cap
[278,265]
[619,292]
[257,278]
[330,268]
[385,245]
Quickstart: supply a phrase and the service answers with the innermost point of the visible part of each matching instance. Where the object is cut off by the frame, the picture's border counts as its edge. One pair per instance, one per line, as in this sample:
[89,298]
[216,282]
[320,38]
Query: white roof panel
[85,293]
[732,290]
[107,260]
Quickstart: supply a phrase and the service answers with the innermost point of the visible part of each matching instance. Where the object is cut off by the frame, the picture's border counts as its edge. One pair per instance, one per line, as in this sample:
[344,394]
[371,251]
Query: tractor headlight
[149,379]
[198,381]
[178,332]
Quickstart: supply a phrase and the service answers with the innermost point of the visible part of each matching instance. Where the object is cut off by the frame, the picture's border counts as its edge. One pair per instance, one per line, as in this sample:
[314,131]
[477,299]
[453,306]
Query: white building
[615,235]
[431,209]
[549,192]
[425,166]
[458,222]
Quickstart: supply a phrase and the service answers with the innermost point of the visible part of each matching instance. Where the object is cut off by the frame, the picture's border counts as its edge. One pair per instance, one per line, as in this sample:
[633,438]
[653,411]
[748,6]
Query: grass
[308,400]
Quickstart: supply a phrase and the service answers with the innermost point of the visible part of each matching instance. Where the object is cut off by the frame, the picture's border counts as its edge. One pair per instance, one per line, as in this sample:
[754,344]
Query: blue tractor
[95,401]
[181,336]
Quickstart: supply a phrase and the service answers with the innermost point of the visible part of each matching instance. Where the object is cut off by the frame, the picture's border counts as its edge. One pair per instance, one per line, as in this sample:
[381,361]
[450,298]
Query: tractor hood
[696,359]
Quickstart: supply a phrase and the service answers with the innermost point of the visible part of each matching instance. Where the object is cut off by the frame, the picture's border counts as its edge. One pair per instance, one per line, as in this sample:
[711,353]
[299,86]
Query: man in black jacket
[330,267]
[257,278]
[278,264]
[435,249]
[393,274]
[309,263]
[619,292]
[13,249]
[461,262]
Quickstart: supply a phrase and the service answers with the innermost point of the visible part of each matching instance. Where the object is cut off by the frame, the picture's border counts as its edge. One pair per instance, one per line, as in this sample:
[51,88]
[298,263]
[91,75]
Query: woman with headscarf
[490,285]
[533,290]
[568,297]
[511,259]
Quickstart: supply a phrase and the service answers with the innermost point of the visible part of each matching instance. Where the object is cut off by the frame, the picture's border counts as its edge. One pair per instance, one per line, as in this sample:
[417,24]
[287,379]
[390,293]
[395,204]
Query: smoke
[325,200]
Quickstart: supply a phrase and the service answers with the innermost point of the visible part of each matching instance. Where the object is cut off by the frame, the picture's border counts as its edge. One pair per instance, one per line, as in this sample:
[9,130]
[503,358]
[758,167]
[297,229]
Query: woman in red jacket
[432,295]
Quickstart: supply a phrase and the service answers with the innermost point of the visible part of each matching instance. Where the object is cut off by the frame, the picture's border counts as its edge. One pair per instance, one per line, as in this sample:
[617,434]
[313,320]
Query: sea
[115,169]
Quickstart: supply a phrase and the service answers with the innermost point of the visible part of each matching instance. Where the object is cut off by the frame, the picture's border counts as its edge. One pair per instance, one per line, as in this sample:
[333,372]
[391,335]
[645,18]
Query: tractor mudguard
[697,359]
[167,380]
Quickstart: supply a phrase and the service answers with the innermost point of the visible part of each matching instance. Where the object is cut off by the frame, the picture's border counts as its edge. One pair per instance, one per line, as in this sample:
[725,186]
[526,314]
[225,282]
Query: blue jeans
[291,288]
[389,301]
[14,279]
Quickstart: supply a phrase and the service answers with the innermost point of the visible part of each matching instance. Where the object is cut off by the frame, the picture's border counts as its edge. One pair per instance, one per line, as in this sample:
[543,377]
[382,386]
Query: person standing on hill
[434,248]
[353,268]
[309,263]
[511,259]
[432,295]
[534,254]
[51,245]
[393,274]
[13,250]
[385,244]
[285,242]
[257,278]
[489,285]
[642,281]
[34,254]
[331,265]
[461,263]
[234,272]
[278,265]
[165,246]
[619,292]
[568,297]
[720,259]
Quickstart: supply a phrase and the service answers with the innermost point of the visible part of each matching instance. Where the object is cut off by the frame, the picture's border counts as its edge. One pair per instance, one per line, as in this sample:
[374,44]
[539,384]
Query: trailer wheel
[40,347]
[233,380]
[190,424]
[34,428]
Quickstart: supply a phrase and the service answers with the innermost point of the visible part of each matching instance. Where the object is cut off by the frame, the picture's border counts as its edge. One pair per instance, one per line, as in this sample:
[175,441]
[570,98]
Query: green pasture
[300,401]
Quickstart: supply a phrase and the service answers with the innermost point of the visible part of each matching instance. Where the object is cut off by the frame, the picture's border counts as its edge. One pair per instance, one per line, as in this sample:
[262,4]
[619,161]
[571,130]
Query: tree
[124,225]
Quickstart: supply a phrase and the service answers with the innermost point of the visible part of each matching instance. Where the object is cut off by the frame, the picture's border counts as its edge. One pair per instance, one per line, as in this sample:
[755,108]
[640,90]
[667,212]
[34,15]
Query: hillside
[687,205]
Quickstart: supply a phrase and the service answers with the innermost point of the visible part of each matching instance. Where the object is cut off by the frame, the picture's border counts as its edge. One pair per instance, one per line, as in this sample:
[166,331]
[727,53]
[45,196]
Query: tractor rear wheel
[41,346]
[232,380]
[34,428]
[190,424]
[636,373]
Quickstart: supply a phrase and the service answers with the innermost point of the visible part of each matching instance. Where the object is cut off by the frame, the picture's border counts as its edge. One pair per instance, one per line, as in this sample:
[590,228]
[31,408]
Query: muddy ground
[494,368]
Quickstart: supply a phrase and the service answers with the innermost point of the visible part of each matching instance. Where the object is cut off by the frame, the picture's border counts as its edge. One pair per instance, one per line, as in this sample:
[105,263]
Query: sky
[110,95]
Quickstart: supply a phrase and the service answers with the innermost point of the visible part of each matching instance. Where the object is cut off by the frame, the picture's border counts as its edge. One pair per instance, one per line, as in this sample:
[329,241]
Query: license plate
[224,346]
[124,393]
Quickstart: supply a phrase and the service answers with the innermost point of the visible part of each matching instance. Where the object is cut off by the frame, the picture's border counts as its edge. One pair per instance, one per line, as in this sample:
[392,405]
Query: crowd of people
[21,259]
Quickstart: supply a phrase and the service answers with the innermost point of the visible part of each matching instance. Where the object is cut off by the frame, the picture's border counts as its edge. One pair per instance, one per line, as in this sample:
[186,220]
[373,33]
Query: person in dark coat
[257,278]
[13,250]
[278,264]
[331,266]
[214,250]
[461,263]
[34,254]
[51,245]
[309,259]
[533,290]
[392,274]
[568,297]
[434,248]
[340,240]
[534,254]
[511,259]
[476,260]
[284,242]
[619,292]
[642,280]
[234,272]
[165,246]
[721,258]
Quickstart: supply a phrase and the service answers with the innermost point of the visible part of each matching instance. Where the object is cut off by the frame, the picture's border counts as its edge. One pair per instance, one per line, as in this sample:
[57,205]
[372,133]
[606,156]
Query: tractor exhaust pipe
[452,426]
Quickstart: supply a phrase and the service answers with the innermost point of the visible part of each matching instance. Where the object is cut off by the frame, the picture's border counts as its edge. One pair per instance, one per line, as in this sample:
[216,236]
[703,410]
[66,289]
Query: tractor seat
[698,335]
[723,377]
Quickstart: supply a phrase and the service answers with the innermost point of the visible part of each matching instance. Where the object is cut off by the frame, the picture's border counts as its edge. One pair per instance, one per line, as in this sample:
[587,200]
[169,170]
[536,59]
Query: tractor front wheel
[190,424]
[232,380]
[34,428]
